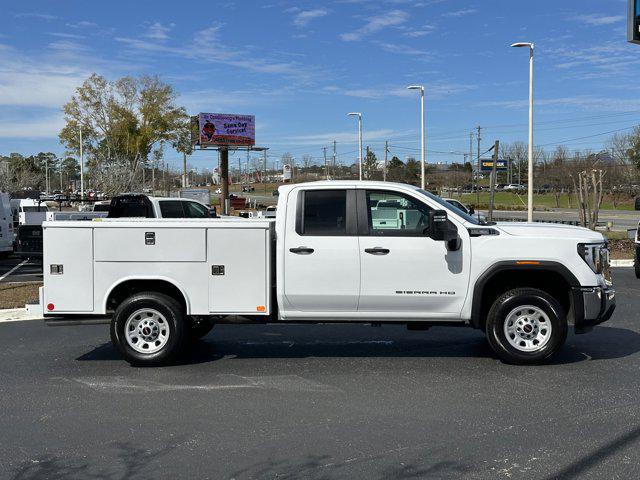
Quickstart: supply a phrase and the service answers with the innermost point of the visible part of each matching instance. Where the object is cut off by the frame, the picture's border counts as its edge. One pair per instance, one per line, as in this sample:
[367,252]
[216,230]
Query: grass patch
[15,295]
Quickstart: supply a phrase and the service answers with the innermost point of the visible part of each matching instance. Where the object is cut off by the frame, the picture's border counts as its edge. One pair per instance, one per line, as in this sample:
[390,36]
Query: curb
[18,315]
[621,263]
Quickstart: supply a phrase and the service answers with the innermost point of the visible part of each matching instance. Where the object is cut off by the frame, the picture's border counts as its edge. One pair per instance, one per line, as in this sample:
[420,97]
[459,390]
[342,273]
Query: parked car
[414,260]
[515,187]
[143,206]
[465,209]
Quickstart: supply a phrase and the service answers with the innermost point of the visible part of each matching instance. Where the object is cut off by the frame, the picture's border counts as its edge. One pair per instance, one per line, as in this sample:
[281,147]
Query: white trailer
[337,252]
[202,195]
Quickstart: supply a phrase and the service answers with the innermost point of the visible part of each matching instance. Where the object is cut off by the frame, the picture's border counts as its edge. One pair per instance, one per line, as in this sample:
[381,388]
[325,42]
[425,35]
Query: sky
[300,67]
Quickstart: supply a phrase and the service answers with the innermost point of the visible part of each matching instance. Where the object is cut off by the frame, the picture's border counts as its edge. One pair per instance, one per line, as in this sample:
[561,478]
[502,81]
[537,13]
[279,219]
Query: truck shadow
[602,344]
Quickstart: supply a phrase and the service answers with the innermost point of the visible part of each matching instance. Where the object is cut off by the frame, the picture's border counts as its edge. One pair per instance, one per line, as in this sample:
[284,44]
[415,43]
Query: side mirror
[472,210]
[440,228]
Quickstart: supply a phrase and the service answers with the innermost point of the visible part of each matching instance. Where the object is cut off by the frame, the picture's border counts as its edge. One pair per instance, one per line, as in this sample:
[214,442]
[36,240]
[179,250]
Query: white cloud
[302,18]
[208,48]
[460,13]
[37,127]
[402,49]
[598,20]
[375,24]
[39,16]
[158,31]
[82,24]
[341,137]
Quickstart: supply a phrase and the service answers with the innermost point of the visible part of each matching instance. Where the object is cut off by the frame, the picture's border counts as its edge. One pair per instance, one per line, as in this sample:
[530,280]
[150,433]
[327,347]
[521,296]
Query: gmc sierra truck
[338,251]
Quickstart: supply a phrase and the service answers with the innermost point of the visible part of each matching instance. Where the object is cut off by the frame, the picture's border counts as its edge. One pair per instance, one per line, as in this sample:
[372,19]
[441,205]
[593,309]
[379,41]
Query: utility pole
[46,174]
[478,173]
[366,159]
[81,168]
[224,180]
[264,153]
[386,151]
[492,188]
[326,167]
[333,165]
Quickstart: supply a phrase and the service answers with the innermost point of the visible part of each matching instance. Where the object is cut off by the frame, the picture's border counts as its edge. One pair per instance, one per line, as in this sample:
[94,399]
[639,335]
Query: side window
[392,214]
[171,209]
[324,213]
[195,210]
[129,207]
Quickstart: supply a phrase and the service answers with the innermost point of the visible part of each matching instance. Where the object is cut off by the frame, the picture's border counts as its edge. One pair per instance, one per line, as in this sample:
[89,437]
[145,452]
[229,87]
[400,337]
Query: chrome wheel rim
[146,330]
[527,328]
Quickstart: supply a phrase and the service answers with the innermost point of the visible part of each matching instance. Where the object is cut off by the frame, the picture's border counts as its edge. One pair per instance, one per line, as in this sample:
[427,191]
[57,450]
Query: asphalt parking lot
[19,270]
[322,402]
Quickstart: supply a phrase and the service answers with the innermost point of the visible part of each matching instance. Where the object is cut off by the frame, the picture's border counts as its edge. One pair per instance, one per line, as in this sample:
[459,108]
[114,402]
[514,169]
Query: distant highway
[622,219]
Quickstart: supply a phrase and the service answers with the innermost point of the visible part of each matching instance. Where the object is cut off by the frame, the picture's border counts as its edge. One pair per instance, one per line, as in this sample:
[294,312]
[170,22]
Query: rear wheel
[526,326]
[148,328]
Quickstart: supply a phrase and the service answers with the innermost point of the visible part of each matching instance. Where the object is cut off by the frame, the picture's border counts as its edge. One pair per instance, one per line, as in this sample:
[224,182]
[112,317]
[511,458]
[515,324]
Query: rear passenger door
[321,257]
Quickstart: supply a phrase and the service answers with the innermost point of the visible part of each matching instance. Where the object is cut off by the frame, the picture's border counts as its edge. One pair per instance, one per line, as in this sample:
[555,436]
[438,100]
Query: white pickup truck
[337,252]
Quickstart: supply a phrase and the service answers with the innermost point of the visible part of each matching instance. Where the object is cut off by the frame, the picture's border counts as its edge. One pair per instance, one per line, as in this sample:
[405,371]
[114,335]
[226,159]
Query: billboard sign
[286,172]
[633,22]
[223,129]
[486,165]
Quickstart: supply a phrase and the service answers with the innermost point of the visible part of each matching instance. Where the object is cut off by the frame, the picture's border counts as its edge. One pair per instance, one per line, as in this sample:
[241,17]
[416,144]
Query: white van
[7,235]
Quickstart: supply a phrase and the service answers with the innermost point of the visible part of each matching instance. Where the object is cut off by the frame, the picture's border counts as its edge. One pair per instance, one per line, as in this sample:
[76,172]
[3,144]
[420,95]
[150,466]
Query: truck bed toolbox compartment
[150,244]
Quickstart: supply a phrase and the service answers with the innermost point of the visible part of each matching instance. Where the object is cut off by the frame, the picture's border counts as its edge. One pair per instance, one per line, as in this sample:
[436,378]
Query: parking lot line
[13,269]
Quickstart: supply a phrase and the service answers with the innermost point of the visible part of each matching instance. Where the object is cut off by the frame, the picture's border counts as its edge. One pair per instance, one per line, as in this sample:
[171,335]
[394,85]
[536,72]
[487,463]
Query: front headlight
[596,255]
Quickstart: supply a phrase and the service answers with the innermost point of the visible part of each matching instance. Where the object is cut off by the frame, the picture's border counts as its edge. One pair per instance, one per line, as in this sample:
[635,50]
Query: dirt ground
[15,295]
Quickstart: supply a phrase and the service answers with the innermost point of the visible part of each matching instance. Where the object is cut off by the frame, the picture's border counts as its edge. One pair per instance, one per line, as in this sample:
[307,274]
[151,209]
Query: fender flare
[513,265]
[143,278]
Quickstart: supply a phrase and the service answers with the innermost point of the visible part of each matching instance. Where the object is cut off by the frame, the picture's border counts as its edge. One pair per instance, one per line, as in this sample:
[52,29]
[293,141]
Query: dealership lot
[15,269]
[322,402]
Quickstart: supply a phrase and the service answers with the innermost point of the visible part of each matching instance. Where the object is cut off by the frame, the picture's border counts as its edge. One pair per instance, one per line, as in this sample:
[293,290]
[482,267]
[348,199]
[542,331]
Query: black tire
[509,302]
[172,312]
[636,263]
[198,328]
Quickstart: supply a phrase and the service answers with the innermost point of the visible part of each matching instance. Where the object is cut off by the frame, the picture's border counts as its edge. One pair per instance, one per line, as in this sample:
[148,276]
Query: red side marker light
[50,307]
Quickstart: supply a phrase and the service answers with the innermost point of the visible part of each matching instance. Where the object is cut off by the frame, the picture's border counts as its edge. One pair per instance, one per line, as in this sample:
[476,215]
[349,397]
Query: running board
[67,322]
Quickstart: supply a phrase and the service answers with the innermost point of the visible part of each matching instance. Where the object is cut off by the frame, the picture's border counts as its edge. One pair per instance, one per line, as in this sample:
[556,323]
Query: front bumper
[592,306]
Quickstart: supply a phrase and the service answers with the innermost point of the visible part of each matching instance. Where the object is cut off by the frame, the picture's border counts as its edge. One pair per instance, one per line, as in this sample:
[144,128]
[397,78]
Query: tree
[121,122]
[395,170]
[412,171]
[370,165]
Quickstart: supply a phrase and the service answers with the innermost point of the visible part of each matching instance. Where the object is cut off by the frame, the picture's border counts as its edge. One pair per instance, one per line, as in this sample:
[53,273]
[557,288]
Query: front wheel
[636,262]
[526,326]
[148,328]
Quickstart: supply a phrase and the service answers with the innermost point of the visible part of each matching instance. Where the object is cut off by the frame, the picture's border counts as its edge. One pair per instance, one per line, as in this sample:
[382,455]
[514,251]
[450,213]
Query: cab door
[405,273]
[321,253]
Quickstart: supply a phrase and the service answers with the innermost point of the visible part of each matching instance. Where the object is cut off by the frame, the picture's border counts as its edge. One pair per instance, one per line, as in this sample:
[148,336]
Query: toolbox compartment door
[150,244]
[239,271]
[68,269]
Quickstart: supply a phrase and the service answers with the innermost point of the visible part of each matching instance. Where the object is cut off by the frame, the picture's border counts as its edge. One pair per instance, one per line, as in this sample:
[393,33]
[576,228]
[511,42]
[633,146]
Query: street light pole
[530,172]
[81,168]
[359,115]
[422,161]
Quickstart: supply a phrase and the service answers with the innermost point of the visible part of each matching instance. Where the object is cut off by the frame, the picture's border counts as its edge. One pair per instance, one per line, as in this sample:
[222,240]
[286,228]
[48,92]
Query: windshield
[448,206]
